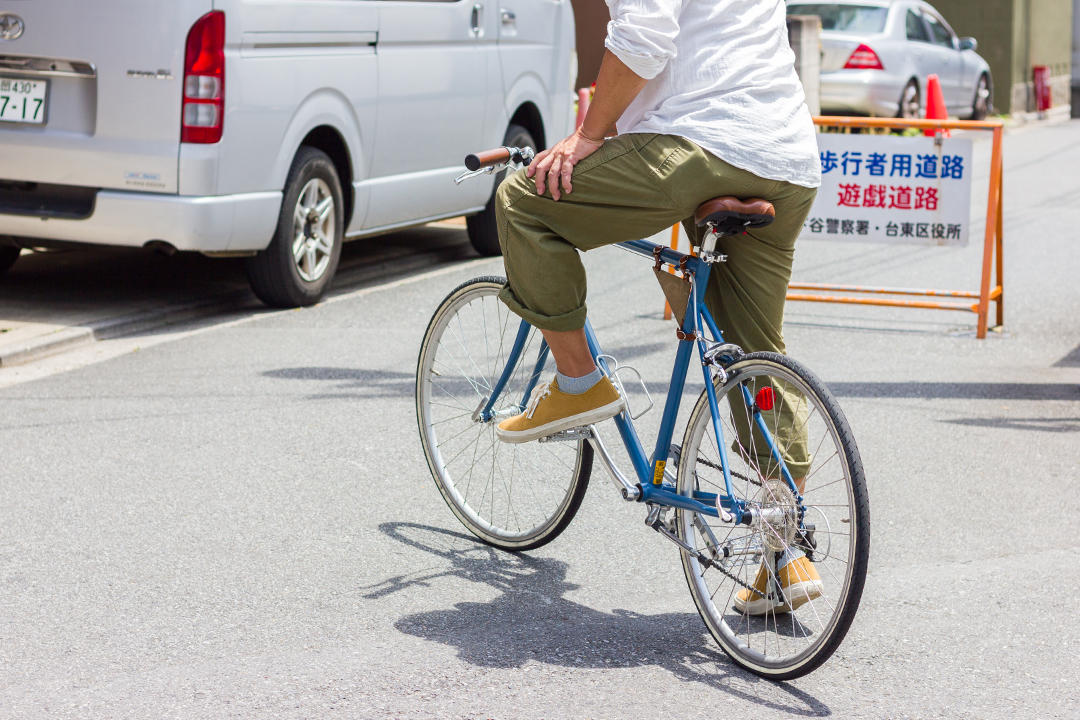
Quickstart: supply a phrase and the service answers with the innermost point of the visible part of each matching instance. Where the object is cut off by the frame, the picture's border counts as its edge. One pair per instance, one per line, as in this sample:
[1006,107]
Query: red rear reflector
[765,399]
[863,59]
[203,113]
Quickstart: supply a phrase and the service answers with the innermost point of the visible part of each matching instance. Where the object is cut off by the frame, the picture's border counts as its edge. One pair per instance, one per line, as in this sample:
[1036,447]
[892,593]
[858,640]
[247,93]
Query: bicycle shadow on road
[531,620]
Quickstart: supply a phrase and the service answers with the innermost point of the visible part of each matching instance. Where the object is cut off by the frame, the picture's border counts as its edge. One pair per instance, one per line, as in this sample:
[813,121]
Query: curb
[46,345]
[72,337]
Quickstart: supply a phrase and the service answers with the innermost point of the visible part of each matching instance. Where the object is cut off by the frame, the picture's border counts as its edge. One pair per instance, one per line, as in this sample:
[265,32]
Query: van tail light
[863,59]
[203,108]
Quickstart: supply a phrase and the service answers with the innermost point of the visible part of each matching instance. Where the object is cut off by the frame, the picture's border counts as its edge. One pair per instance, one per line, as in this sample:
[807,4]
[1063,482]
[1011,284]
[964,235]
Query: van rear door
[102,82]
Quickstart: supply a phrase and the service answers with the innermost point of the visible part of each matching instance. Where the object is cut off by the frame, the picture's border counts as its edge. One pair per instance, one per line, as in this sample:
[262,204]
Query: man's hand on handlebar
[553,167]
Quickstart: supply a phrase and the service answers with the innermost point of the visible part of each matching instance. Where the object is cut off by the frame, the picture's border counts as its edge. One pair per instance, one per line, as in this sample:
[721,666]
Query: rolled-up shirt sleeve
[642,33]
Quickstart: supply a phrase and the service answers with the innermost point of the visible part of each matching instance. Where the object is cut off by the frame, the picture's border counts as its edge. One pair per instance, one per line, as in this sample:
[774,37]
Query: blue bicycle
[765,495]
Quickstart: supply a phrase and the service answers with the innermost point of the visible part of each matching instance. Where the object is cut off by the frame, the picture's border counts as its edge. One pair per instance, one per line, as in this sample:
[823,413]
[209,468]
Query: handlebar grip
[476,161]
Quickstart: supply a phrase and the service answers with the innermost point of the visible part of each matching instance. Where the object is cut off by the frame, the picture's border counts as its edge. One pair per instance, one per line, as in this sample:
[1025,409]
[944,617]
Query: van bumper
[222,223]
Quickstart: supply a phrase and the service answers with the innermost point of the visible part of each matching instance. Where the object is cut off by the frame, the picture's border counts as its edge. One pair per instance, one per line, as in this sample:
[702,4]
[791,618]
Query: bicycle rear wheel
[793,626]
[512,496]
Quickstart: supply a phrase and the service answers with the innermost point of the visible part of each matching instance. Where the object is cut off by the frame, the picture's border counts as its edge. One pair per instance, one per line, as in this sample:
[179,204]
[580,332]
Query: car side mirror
[968,43]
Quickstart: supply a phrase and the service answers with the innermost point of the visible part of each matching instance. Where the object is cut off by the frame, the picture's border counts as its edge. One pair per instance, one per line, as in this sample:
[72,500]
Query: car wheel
[8,256]
[910,102]
[297,266]
[981,107]
[483,233]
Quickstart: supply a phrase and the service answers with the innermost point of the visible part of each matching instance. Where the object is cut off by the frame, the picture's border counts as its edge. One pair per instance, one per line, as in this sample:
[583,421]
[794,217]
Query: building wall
[991,23]
[591,19]
[1043,31]
[1076,59]
[1014,36]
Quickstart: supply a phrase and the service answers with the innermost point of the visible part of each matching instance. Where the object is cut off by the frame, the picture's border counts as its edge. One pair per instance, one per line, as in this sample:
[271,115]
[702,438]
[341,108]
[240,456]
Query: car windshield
[844,18]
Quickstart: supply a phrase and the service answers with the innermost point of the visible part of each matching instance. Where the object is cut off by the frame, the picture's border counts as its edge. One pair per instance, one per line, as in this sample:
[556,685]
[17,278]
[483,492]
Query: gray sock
[578,385]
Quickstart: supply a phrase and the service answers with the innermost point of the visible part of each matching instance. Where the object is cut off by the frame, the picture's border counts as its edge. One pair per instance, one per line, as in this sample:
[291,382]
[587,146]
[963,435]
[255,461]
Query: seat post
[708,252]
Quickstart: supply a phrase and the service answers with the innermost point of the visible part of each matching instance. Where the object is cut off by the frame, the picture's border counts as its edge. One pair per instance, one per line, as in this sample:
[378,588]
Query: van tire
[8,256]
[274,273]
[483,232]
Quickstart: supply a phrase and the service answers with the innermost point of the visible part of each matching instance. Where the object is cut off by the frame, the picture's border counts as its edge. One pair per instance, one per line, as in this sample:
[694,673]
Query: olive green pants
[632,187]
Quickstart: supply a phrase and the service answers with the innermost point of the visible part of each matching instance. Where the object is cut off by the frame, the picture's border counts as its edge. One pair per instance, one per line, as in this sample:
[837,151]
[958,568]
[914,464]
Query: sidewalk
[52,302]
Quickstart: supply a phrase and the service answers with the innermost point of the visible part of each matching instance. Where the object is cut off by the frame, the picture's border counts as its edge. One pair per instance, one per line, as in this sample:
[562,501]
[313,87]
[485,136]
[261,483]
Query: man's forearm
[616,87]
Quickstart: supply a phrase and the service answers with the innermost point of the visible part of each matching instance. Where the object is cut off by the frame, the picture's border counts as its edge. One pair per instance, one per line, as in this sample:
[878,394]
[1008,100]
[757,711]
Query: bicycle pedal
[571,435]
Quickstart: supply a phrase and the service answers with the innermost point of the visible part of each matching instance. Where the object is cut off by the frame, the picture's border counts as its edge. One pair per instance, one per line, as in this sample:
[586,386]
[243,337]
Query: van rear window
[844,18]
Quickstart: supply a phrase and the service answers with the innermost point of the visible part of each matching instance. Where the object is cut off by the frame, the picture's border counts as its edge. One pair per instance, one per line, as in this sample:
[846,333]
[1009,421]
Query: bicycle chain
[710,562]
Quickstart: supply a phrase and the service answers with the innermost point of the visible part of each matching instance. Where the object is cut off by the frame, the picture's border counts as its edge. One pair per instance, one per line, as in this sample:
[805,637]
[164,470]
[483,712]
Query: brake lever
[473,173]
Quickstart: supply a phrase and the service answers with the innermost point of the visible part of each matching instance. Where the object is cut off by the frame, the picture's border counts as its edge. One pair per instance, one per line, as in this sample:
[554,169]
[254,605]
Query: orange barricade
[992,244]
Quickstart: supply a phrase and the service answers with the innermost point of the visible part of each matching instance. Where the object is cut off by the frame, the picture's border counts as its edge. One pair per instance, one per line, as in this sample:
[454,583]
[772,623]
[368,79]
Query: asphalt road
[236,520]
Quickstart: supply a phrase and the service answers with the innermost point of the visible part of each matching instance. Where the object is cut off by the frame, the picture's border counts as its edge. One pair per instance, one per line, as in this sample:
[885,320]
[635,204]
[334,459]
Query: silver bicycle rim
[313,230]
[777,641]
[511,493]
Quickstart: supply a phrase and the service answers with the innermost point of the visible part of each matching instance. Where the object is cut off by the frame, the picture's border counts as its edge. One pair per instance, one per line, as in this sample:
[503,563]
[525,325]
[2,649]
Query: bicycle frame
[650,469]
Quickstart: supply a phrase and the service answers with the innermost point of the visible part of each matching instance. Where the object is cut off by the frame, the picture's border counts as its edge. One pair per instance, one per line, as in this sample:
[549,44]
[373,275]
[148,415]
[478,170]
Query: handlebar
[499,156]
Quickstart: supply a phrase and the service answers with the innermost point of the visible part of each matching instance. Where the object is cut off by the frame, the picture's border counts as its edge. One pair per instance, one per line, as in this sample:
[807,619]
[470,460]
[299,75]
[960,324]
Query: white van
[274,129]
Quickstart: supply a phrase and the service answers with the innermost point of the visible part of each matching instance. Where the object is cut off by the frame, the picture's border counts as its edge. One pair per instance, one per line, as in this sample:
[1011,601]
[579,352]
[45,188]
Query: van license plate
[23,101]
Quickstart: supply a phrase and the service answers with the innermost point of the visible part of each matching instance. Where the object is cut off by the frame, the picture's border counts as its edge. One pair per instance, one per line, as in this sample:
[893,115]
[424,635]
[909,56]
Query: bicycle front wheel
[512,496]
[780,594]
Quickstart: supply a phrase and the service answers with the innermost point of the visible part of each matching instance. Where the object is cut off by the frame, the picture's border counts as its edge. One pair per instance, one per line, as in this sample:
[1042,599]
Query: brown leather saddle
[731,216]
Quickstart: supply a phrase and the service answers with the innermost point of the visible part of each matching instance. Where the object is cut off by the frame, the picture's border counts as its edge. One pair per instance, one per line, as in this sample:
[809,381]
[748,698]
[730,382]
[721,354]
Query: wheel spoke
[324,245]
[324,208]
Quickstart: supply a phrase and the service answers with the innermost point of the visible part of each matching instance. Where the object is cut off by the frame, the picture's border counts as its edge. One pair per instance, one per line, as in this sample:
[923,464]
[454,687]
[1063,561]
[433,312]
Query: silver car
[876,56]
[270,129]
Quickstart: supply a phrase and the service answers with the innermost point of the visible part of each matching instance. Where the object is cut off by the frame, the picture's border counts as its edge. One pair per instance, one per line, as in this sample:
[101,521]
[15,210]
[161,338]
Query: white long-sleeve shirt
[722,75]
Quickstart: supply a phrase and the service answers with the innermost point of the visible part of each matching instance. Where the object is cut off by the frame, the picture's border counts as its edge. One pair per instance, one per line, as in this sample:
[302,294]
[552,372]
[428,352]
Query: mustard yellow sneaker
[550,410]
[799,582]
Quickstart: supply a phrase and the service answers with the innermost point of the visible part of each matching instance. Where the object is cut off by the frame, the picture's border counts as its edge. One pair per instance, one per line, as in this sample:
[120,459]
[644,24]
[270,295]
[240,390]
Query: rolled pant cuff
[573,320]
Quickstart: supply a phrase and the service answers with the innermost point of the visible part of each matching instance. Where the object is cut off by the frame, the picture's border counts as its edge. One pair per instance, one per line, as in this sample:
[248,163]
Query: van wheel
[483,232]
[297,266]
[8,256]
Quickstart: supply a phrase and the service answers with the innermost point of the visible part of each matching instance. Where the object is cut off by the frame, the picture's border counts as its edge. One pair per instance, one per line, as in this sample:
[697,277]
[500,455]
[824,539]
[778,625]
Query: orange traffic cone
[935,106]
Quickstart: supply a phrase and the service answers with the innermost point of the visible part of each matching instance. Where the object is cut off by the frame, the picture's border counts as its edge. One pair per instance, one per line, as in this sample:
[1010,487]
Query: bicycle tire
[786,642]
[508,495]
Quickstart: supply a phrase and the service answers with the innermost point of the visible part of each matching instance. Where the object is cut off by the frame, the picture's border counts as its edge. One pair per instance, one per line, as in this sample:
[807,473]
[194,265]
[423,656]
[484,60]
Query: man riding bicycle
[705,100]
